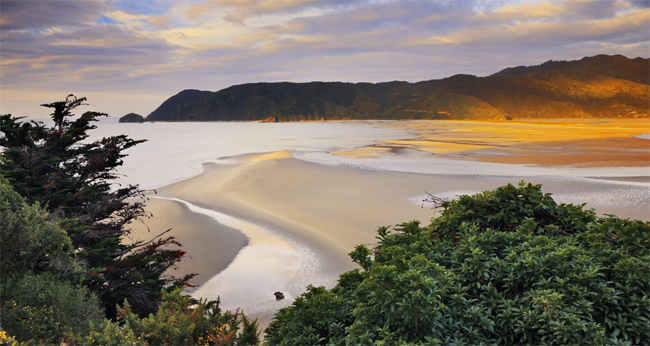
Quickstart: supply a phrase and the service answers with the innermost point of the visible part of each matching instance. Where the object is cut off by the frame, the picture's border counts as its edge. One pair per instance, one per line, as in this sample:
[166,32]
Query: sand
[260,223]
[211,246]
[577,143]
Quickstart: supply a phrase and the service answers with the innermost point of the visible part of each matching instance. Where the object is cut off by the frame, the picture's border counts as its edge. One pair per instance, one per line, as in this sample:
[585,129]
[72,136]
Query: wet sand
[210,246]
[575,142]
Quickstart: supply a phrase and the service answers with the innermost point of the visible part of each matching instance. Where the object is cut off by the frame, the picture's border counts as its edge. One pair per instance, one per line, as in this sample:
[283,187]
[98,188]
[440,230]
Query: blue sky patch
[107,20]
[143,7]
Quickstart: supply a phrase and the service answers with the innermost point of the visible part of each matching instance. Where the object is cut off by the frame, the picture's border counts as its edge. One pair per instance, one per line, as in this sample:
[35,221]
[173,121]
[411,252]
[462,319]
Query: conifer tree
[75,180]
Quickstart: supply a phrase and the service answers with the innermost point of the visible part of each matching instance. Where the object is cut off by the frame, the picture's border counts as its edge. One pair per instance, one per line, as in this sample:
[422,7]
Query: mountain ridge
[593,87]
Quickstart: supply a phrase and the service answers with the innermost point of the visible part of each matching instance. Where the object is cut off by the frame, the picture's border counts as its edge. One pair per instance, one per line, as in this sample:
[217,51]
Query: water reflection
[263,267]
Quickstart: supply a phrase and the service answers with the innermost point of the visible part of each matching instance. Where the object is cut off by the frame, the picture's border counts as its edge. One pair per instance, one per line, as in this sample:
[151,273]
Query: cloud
[196,10]
[34,15]
[161,47]
[521,12]
[94,56]
[424,28]
[239,10]
[161,22]
[567,27]
[641,4]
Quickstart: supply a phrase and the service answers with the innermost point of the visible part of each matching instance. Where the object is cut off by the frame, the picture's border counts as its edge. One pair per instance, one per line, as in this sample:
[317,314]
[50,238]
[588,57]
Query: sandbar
[572,142]
[323,211]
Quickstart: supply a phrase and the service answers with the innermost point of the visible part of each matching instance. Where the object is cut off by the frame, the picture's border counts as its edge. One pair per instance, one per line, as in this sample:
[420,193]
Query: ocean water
[175,151]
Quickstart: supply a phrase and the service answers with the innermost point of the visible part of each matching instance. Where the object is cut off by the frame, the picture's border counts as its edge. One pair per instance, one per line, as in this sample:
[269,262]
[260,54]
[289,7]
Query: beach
[565,142]
[258,223]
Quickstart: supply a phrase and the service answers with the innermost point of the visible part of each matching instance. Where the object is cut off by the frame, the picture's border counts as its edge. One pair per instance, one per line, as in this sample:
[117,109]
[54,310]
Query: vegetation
[180,320]
[43,302]
[40,296]
[65,263]
[72,178]
[597,87]
[508,266]
[132,118]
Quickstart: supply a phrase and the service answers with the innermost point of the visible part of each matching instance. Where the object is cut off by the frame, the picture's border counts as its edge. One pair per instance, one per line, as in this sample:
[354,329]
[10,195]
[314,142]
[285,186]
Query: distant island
[601,86]
[132,118]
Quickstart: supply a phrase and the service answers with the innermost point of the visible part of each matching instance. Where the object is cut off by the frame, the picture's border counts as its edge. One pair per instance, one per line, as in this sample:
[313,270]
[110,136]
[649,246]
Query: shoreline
[193,231]
[582,143]
[323,211]
[299,213]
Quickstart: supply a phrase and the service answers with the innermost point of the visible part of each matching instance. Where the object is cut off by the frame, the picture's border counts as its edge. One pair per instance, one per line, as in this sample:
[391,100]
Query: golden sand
[329,210]
[580,143]
[278,155]
[363,152]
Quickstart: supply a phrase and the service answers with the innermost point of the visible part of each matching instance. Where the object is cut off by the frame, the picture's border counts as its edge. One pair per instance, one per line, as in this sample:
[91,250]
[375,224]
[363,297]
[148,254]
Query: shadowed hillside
[131,118]
[600,86]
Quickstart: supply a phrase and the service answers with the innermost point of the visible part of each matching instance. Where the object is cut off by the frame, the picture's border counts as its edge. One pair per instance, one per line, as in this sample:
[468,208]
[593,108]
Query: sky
[131,55]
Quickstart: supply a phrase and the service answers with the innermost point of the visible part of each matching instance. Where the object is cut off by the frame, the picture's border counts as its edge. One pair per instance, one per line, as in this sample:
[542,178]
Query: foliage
[508,266]
[44,303]
[41,300]
[507,208]
[599,87]
[132,118]
[29,242]
[44,309]
[72,177]
[7,339]
[180,320]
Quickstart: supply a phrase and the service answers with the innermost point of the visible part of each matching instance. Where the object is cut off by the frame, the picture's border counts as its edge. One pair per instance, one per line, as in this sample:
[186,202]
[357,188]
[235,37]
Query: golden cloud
[161,22]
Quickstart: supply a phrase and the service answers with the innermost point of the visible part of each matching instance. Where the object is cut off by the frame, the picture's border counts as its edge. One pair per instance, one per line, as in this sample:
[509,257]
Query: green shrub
[44,309]
[508,266]
[180,320]
[73,178]
[29,242]
[39,300]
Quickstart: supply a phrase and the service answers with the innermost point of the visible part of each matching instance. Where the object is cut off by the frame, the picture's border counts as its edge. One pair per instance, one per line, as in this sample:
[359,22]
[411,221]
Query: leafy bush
[44,309]
[77,237]
[508,266]
[42,300]
[7,339]
[180,320]
[39,300]
[29,242]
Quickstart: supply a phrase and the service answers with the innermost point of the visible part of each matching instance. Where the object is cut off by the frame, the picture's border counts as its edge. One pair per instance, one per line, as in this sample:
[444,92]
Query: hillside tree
[41,299]
[74,178]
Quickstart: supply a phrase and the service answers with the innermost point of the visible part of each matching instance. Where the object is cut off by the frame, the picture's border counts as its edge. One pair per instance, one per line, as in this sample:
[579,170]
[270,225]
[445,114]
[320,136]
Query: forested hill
[599,86]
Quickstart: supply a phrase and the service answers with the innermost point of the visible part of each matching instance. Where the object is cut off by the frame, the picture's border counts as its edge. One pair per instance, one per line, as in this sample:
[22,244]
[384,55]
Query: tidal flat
[284,208]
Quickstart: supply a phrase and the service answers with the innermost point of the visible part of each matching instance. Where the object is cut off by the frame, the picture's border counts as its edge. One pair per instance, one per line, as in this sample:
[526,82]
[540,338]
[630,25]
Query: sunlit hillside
[594,87]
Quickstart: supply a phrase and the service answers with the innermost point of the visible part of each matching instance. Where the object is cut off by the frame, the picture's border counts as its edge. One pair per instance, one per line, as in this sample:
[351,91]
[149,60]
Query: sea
[176,151]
